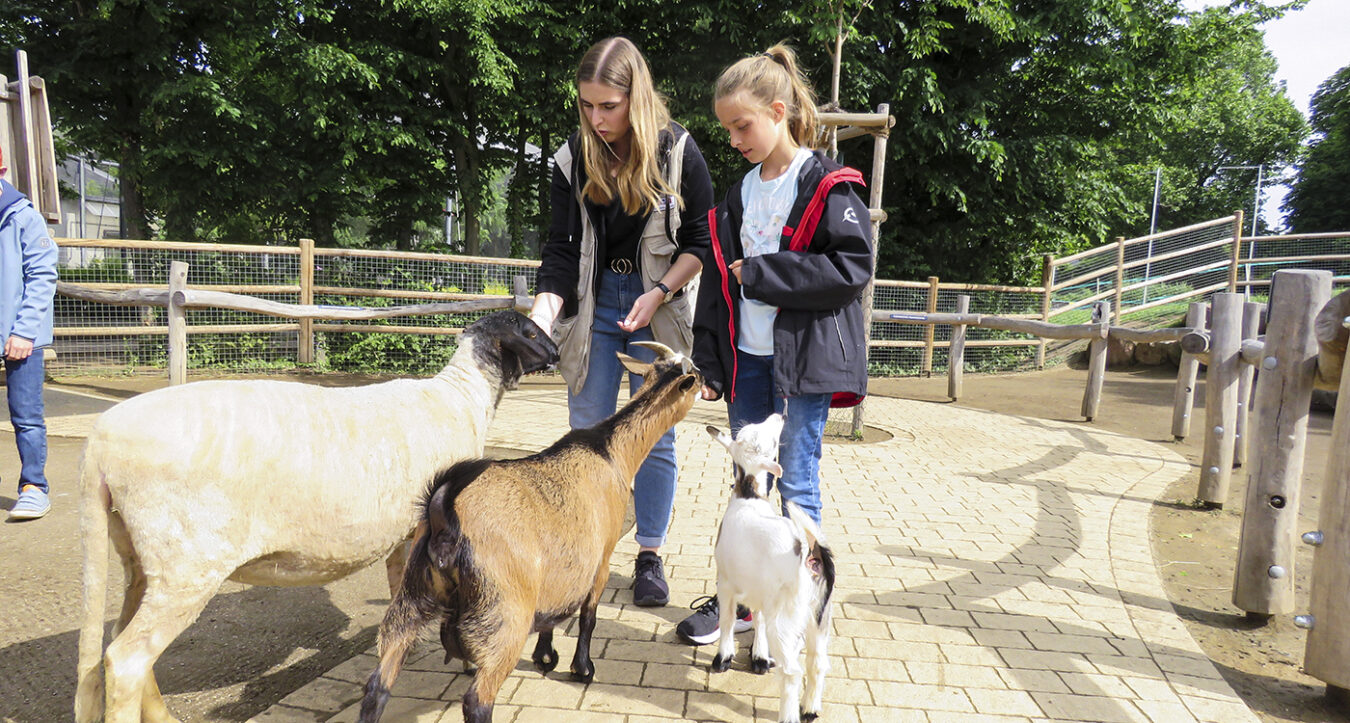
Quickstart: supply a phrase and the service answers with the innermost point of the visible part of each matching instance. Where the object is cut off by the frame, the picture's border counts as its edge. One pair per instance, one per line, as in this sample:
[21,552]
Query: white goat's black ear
[720,436]
[633,365]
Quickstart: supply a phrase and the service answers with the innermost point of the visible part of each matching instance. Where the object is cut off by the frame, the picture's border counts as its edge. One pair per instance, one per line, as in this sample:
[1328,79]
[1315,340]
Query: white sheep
[779,567]
[266,483]
[514,546]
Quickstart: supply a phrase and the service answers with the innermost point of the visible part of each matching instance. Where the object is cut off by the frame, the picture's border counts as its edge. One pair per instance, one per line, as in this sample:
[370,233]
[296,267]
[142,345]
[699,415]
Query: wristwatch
[665,290]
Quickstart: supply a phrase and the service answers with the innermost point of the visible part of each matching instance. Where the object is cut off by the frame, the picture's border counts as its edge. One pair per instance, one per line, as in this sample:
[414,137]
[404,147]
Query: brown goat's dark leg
[495,653]
[583,670]
[545,657]
[398,631]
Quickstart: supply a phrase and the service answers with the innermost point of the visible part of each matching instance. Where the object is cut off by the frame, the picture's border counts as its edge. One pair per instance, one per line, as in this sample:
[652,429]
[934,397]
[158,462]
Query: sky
[1310,44]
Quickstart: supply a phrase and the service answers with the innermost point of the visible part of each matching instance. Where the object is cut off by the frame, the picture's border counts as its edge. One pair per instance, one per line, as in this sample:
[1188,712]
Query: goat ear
[719,435]
[774,469]
[633,365]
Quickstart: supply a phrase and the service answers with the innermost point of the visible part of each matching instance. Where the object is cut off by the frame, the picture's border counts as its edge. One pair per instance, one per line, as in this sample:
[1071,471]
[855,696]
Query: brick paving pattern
[991,568]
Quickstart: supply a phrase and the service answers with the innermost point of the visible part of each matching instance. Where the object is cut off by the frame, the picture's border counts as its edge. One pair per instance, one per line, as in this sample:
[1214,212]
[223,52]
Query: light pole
[1157,189]
[1256,207]
[1256,213]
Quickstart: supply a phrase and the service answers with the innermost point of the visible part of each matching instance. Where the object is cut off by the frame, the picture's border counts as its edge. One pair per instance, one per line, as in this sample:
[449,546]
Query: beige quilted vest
[672,322]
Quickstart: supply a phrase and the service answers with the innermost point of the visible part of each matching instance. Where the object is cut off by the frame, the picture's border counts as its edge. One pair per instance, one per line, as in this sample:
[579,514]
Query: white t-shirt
[767,205]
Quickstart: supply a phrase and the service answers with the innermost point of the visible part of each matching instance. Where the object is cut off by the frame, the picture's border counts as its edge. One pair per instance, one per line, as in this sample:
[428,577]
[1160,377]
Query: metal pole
[1256,206]
[1157,188]
[83,232]
[1152,229]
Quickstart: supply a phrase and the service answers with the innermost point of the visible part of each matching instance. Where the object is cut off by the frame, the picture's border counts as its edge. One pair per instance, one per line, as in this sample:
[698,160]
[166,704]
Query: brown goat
[510,547]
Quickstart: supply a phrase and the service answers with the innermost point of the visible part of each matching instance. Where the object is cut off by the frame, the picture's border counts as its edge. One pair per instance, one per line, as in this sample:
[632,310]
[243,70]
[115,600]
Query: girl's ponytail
[803,120]
[775,76]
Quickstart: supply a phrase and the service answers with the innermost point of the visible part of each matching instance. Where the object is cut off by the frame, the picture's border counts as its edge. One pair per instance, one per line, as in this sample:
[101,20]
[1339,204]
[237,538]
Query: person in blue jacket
[27,289]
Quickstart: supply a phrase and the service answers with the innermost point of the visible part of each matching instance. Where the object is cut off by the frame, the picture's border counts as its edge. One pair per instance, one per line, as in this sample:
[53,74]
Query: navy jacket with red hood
[816,280]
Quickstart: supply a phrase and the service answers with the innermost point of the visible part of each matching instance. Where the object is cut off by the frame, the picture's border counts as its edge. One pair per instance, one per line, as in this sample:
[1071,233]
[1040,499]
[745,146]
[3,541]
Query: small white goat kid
[266,483]
[777,566]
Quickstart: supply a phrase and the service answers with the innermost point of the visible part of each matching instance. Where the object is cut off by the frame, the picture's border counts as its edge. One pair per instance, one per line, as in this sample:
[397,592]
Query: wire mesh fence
[1162,273]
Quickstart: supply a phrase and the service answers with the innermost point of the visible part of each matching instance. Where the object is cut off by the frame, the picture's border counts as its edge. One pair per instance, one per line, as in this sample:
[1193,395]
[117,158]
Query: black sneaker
[701,628]
[649,581]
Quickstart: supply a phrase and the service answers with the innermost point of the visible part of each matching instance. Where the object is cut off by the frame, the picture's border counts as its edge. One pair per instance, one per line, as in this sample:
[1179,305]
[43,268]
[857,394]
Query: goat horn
[663,352]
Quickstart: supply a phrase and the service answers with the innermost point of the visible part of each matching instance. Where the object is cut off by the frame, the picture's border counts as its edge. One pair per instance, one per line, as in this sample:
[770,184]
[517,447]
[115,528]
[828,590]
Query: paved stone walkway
[991,568]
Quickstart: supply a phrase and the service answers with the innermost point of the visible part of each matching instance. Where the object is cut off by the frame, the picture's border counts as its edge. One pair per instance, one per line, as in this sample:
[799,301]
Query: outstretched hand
[642,311]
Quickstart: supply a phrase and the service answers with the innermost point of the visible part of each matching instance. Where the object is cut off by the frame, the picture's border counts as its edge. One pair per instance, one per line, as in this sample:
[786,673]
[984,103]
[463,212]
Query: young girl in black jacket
[779,322]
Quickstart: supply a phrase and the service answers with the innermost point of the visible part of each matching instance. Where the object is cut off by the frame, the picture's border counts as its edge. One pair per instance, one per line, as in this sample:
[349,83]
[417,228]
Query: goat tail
[95,506]
[823,567]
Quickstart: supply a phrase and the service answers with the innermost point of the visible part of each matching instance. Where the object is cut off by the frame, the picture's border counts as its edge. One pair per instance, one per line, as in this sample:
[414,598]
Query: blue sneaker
[32,504]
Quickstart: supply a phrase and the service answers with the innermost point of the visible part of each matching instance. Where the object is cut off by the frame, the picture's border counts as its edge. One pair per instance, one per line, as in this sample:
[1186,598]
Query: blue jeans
[799,446]
[654,486]
[23,390]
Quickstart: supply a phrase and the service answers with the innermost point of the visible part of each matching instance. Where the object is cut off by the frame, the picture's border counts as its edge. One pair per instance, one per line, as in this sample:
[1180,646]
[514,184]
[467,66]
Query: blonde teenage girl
[779,314]
[630,195]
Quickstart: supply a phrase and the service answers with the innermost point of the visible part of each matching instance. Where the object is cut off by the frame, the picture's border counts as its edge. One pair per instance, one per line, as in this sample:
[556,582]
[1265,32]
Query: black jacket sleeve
[560,260]
[711,314]
[836,267]
[697,194]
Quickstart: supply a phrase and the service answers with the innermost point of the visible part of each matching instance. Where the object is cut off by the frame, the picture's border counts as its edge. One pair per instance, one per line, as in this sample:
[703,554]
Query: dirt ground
[253,646]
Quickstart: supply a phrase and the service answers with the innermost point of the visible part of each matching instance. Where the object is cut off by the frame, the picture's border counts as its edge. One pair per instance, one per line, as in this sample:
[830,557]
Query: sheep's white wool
[266,483]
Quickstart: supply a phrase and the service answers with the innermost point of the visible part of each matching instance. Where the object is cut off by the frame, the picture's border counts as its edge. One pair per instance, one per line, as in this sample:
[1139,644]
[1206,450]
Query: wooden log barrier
[1264,581]
[1327,654]
[1221,374]
[1251,327]
[1092,396]
[956,353]
[1183,398]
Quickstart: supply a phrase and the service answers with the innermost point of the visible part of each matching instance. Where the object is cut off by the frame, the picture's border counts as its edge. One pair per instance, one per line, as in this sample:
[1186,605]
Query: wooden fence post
[305,341]
[926,367]
[1047,299]
[1264,582]
[178,272]
[879,139]
[1120,280]
[1327,656]
[956,353]
[1092,397]
[1221,373]
[1183,400]
[1251,328]
[1237,251]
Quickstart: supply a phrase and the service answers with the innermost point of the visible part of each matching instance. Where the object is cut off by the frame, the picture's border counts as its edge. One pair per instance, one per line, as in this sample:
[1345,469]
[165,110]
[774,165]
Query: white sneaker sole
[740,627]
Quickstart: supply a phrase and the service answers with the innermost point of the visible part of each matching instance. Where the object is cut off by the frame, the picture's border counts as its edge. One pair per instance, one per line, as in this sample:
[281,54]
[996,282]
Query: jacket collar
[9,196]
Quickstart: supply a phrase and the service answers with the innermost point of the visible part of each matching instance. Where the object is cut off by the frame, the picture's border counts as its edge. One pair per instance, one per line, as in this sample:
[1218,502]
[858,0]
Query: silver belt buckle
[621,266]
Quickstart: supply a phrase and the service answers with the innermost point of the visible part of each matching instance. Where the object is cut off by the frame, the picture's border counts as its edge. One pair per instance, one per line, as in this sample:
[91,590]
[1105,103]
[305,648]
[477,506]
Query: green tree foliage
[1320,197]
[1022,128]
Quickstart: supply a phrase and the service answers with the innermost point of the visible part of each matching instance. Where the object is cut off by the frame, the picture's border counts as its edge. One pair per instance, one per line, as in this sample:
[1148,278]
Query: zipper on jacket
[835,315]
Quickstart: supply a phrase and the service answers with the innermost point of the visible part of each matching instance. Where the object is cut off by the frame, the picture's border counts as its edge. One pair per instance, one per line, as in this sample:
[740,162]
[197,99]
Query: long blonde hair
[639,186]
[775,76]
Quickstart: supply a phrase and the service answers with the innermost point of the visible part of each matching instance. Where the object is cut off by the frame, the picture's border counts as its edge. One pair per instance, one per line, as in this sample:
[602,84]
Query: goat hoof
[547,662]
[720,664]
[584,676]
[760,666]
[808,717]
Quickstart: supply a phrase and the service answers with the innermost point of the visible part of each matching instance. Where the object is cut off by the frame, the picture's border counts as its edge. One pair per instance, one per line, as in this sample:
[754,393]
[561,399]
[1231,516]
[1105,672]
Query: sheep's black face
[513,343]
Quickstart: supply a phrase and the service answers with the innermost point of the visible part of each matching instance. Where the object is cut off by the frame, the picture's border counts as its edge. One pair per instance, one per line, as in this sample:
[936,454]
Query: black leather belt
[622,266]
